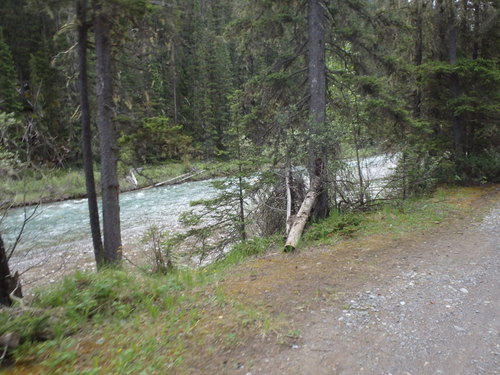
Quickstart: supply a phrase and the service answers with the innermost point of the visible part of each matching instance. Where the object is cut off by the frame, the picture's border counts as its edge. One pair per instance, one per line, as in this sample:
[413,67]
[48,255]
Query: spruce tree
[9,97]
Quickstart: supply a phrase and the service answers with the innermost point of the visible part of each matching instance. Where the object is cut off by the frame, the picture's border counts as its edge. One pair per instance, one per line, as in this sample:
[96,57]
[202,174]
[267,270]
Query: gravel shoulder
[426,303]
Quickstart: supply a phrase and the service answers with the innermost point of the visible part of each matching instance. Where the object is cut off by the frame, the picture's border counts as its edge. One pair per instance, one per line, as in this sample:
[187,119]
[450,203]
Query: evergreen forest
[276,83]
[272,85]
[188,77]
[286,99]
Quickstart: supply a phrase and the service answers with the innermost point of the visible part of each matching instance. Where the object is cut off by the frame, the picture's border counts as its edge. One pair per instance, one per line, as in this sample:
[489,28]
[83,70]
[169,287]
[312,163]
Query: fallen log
[300,220]
[172,181]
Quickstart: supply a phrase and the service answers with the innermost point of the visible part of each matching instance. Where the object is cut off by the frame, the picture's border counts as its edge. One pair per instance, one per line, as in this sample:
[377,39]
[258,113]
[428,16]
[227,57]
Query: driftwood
[172,181]
[300,220]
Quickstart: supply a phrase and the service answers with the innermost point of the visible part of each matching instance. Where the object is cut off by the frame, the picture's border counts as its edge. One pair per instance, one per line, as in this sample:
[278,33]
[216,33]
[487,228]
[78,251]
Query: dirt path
[428,303]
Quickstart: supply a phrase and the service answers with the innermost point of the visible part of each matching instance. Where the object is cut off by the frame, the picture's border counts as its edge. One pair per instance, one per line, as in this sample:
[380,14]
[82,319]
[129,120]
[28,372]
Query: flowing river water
[62,229]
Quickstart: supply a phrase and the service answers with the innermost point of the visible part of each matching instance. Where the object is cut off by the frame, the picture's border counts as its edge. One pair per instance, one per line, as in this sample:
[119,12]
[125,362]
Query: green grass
[133,323]
[398,217]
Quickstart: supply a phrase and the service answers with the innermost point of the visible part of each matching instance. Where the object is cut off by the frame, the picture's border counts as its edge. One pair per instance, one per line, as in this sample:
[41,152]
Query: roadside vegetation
[136,321]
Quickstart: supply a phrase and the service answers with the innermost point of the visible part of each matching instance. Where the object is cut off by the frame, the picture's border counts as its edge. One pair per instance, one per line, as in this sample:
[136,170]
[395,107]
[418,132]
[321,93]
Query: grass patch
[396,217]
[44,185]
[338,225]
[116,321]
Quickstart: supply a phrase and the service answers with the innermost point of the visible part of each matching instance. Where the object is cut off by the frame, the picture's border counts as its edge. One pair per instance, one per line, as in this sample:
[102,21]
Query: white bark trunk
[288,200]
[302,216]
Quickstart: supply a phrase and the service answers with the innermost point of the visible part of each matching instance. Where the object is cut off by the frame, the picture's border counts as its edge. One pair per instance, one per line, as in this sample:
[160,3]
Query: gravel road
[435,309]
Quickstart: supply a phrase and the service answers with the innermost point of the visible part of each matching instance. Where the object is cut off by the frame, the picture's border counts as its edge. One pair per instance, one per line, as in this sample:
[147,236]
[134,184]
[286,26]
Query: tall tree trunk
[107,136]
[174,79]
[81,12]
[317,103]
[477,24]
[10,286]
[417,60]
[440,21]
[454,82]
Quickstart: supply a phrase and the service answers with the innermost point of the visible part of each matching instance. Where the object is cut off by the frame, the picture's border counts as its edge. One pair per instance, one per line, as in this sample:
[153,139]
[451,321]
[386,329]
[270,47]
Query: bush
[484,167]
[343,224]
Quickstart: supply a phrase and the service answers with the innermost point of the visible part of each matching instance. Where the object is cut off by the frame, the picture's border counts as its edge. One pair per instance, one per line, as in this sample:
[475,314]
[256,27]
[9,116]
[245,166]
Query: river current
[63,227]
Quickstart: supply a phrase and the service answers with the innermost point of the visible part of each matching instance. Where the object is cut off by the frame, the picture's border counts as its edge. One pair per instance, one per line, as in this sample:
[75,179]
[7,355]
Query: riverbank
[56,185]
[260,315]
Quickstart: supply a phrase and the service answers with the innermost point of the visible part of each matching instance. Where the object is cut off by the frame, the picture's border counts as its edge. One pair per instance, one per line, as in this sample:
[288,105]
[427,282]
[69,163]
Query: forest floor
[426,302]
[412,294]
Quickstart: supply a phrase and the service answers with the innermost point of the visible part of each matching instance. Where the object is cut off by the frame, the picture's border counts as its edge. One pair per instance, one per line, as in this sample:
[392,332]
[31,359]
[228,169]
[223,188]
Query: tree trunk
[440,21]
[107,137]
[288,187]
[300,221]
[4,277]
[10,285]
[81,11]
[477,33]
[317,103]
[454,83]
[418,58]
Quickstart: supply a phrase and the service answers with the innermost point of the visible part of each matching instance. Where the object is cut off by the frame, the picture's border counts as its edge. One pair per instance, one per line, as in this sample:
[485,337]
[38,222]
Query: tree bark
[9,284]
[418,58]
[288,187]
[317,103]
[81,11]
[454,83]
[300,221]
[4,275]
[107,136]
[477,25]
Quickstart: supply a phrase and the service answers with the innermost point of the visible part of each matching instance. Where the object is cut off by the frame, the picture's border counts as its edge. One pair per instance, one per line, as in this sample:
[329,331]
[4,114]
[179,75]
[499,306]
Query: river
[62,229]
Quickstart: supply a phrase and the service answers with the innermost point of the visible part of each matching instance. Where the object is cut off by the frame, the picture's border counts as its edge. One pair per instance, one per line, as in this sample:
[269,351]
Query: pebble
[463,290]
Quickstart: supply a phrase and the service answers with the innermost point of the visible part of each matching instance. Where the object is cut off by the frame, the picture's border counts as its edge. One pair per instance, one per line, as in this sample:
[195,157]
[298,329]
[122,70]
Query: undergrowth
[132,322]
[392,217]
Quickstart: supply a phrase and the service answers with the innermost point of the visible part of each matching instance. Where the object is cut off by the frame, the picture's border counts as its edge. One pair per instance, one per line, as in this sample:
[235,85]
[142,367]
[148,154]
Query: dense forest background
[199,79]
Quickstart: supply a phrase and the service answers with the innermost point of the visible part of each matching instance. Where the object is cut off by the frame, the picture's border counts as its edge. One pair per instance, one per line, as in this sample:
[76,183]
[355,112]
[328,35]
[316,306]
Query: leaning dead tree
[299,223]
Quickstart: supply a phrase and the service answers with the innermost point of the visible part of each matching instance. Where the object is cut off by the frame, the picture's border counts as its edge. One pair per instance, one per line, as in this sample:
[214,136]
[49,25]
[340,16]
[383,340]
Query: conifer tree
[9,97]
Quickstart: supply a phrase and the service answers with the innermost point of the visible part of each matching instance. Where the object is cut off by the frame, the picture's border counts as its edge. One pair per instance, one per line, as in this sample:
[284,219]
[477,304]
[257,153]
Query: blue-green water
[65,224]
